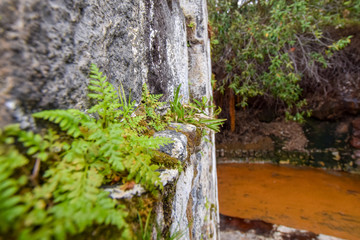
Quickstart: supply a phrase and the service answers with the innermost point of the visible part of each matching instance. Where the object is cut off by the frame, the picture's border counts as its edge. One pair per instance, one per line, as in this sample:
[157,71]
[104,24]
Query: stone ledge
[166,176]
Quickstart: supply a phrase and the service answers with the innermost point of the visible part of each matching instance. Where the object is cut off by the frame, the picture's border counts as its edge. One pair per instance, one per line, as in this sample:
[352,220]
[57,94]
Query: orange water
[304,198]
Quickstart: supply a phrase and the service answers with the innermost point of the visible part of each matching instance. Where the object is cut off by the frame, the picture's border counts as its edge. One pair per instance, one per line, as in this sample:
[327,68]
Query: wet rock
[356,123]
[327,109]
[336,156]
[245,225]
[357,162]
[334,108]
[357,153]
[245,153]
[251,153]
[258,154]
[177,149]
[246,229]
[342,128]
[355,142]
[222,152]
[356,133]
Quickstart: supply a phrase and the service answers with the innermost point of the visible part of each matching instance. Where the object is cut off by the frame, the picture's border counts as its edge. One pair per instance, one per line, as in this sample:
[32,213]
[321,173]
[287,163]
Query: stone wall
[46,47]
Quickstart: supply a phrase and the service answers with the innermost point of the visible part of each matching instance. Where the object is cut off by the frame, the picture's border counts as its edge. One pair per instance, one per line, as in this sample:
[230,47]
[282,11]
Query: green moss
[140,206]
[165,160]
[168,199]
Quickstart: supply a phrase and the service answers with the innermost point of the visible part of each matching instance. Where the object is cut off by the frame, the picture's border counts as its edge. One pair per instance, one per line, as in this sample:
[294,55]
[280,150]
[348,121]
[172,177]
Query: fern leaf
[111,143]
[80,201]
[10,204]
[143,172]
[68,120]
[35,144]
[108,101]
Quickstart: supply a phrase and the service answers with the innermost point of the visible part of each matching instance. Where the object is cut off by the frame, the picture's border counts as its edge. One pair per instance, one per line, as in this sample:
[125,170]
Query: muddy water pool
[321,201]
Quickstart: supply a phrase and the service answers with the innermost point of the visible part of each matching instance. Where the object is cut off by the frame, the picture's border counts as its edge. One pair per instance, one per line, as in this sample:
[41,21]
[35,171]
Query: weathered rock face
[177,149]
[199,51]
[46,47]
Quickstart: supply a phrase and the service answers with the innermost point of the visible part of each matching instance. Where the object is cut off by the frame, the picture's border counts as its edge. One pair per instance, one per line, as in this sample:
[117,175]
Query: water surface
[326,202]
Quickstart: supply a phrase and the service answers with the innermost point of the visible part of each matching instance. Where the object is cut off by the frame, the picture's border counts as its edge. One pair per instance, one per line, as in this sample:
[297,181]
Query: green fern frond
[68,120]
[150,98]
[127,105]
[150,103]
[111,145]
[108,102]
[79,201]
[35,144]
[140,168]
[138,161]
[11,207]
[134,123]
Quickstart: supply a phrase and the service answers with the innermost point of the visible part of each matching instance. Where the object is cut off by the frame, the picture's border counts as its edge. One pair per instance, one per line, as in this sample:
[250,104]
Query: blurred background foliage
[277,53]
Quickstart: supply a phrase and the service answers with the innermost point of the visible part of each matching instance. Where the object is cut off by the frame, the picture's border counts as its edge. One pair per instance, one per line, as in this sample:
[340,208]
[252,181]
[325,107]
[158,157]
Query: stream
[317,200]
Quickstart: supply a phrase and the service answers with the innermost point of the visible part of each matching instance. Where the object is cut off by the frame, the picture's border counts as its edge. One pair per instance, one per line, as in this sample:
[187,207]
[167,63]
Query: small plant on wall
[200,113]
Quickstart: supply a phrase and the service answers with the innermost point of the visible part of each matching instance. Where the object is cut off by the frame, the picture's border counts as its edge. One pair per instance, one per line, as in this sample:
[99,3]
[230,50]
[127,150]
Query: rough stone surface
[199,50]
[116,192]
[355,142]
[177,149]
[200,194]
[188,128]
[180,214]
[356,123]
[46,47]
[195,205]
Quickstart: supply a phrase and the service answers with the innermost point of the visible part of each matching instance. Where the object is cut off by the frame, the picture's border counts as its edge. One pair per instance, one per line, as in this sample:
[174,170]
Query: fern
[125,150]
[68,120]
[78,185]
[11,207]
[108,102]
[111,143]
[71,199]
[35,143]
[151,103]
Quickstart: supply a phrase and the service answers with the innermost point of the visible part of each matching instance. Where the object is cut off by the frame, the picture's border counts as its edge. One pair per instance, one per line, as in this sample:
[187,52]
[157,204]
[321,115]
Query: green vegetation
[150,102]
[61,196]
[201,114]
[191,25]
[271,48]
